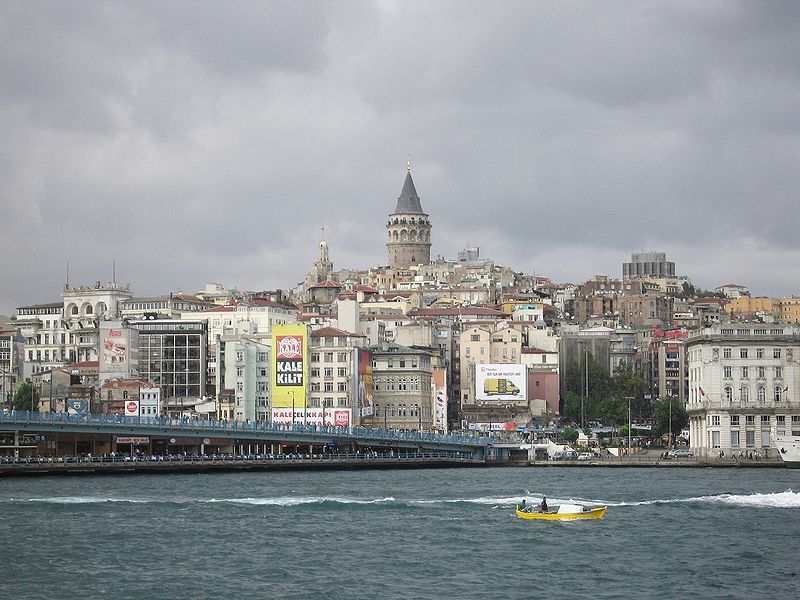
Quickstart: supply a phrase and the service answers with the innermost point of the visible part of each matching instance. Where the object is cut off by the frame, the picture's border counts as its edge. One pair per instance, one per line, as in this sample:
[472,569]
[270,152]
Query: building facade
[743,384]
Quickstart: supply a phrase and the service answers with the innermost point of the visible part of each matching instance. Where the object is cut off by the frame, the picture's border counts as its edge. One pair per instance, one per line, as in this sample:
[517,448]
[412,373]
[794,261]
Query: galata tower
[408,230]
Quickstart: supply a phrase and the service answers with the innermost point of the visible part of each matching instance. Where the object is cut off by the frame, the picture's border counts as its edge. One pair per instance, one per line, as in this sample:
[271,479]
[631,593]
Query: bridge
[235,434]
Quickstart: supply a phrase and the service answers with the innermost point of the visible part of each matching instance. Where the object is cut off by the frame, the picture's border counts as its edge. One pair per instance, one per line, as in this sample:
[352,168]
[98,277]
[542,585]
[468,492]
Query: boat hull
[789,450]
[595,513]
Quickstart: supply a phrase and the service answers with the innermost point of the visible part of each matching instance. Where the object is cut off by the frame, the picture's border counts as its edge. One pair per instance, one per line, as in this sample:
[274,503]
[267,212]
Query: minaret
[408,229]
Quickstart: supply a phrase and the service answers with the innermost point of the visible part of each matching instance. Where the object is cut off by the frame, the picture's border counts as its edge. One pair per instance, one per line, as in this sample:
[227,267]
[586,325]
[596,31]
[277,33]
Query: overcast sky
[210,141]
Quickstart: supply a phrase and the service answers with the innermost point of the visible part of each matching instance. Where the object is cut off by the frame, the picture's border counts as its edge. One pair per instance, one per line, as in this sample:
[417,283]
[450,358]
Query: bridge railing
[232,426]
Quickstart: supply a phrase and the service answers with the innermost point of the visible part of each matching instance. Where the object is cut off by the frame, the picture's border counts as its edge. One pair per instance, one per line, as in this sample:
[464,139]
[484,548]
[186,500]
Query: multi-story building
[172,355]
[479,344]
[743,383]
[170,306]
[644,264]
[62,332]
[402,379]
[243,366]
[334,377]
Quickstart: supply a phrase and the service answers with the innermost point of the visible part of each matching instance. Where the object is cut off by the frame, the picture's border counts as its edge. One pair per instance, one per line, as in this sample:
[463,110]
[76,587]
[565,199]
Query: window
[474,338]
[776,353]
[727,372]
[314,357]
[745,393]
[761,393]
[341,386]
[734,439]
[777,393]
[726,353]
[734,420]
[328,357]
[314,372]
[328,371]
[341,357]
[761,372]
[742,352]
[715,420]
[328,386]
[750,420]
[759,353]
[728,393]
[745,372]
[341,371]
[750,438]
[778,372]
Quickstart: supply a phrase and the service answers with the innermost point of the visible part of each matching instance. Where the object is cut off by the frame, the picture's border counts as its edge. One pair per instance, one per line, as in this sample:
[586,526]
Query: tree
[570,434]
[572,407]
[26,397]
[678,414]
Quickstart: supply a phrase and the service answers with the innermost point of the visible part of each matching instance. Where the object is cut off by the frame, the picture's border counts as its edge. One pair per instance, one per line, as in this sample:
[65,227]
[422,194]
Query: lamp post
[670,420]
[629,424]
[292,409]
[385,411]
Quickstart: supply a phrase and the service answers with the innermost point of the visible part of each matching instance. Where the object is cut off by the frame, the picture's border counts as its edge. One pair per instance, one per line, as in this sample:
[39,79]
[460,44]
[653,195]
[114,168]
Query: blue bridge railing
[109,422]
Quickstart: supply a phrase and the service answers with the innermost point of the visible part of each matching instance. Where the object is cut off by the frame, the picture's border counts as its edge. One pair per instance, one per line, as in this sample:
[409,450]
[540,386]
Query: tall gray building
[409,230]
[644,264]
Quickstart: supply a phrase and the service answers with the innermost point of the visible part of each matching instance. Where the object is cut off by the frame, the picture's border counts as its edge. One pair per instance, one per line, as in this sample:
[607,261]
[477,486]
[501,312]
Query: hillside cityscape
[420,343]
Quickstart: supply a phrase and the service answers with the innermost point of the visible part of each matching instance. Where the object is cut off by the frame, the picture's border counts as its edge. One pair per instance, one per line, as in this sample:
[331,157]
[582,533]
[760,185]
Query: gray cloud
[211,141]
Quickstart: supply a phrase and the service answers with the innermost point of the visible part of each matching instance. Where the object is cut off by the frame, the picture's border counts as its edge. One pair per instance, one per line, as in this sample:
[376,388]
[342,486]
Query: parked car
[680,453]
[585,456]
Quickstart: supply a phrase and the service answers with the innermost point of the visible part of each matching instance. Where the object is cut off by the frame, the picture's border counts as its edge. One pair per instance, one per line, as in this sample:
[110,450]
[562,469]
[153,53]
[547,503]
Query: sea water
[668,533]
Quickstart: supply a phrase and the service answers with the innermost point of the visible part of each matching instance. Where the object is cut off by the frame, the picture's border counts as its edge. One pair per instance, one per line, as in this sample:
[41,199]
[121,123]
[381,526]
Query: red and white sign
[131,408]
[334,417]
[290,346]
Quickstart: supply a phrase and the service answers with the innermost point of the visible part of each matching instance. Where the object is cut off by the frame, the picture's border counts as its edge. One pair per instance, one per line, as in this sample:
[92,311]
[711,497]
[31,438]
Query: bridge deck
[236,431]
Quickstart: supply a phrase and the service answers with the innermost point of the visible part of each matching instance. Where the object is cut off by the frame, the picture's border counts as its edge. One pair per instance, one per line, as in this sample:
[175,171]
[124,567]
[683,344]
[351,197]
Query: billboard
[333,416]
[440,400]
[364,404]
[118,352]
[289,366]
[501,382]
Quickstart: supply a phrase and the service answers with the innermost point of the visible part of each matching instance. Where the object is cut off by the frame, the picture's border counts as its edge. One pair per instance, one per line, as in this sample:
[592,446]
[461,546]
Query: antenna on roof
[408,163]
[114,272]
[67,282]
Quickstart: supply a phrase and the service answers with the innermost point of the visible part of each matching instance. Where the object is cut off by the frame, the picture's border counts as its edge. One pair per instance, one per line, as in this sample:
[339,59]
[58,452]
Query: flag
[702,393]
[786,389]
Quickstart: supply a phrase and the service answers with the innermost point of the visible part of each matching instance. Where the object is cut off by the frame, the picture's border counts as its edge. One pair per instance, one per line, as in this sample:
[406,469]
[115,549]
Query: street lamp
[629,424]
[292,409]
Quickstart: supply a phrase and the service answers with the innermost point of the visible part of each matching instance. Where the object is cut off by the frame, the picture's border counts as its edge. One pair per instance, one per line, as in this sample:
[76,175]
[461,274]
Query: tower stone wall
[408,230]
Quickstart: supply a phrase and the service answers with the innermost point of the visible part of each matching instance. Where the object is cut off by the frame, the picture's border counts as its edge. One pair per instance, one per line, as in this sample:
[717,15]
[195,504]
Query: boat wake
[787,499]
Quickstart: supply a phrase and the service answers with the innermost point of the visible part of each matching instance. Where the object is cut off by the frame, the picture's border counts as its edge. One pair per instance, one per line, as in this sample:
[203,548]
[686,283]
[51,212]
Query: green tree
[570,434]
[26,397]
[674,419]
[572,407]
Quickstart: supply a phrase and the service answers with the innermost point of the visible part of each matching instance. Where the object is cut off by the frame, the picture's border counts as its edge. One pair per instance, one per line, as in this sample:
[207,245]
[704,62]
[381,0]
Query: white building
[743,382]
[243,365]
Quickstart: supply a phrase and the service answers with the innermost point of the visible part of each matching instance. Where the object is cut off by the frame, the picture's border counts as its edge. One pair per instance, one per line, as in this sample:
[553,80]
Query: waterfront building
[243,376]
[335,379]
[128,397]
[172,354]
[743,384]
[402,379]
[408,229]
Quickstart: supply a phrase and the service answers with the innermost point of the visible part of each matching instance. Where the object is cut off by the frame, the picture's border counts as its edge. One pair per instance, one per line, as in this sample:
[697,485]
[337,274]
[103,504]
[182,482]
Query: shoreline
[303,464]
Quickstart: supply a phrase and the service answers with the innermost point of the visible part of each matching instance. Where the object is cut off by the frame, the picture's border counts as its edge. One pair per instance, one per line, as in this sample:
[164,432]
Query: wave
[297,501]
[786,499]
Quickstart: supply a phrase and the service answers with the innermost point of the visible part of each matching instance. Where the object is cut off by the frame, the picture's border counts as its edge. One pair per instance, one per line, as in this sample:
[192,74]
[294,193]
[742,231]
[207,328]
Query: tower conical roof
[408,201]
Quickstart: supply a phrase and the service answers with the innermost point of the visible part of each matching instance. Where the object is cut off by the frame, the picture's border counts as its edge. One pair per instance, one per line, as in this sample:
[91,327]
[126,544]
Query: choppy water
[668,533]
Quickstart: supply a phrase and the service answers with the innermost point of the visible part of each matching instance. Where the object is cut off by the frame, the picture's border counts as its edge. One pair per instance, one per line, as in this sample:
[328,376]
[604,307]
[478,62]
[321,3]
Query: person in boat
[543,505]
[524,507]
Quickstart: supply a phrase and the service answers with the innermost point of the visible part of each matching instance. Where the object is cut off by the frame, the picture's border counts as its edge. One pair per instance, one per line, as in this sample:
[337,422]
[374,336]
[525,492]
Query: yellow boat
[593,513]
